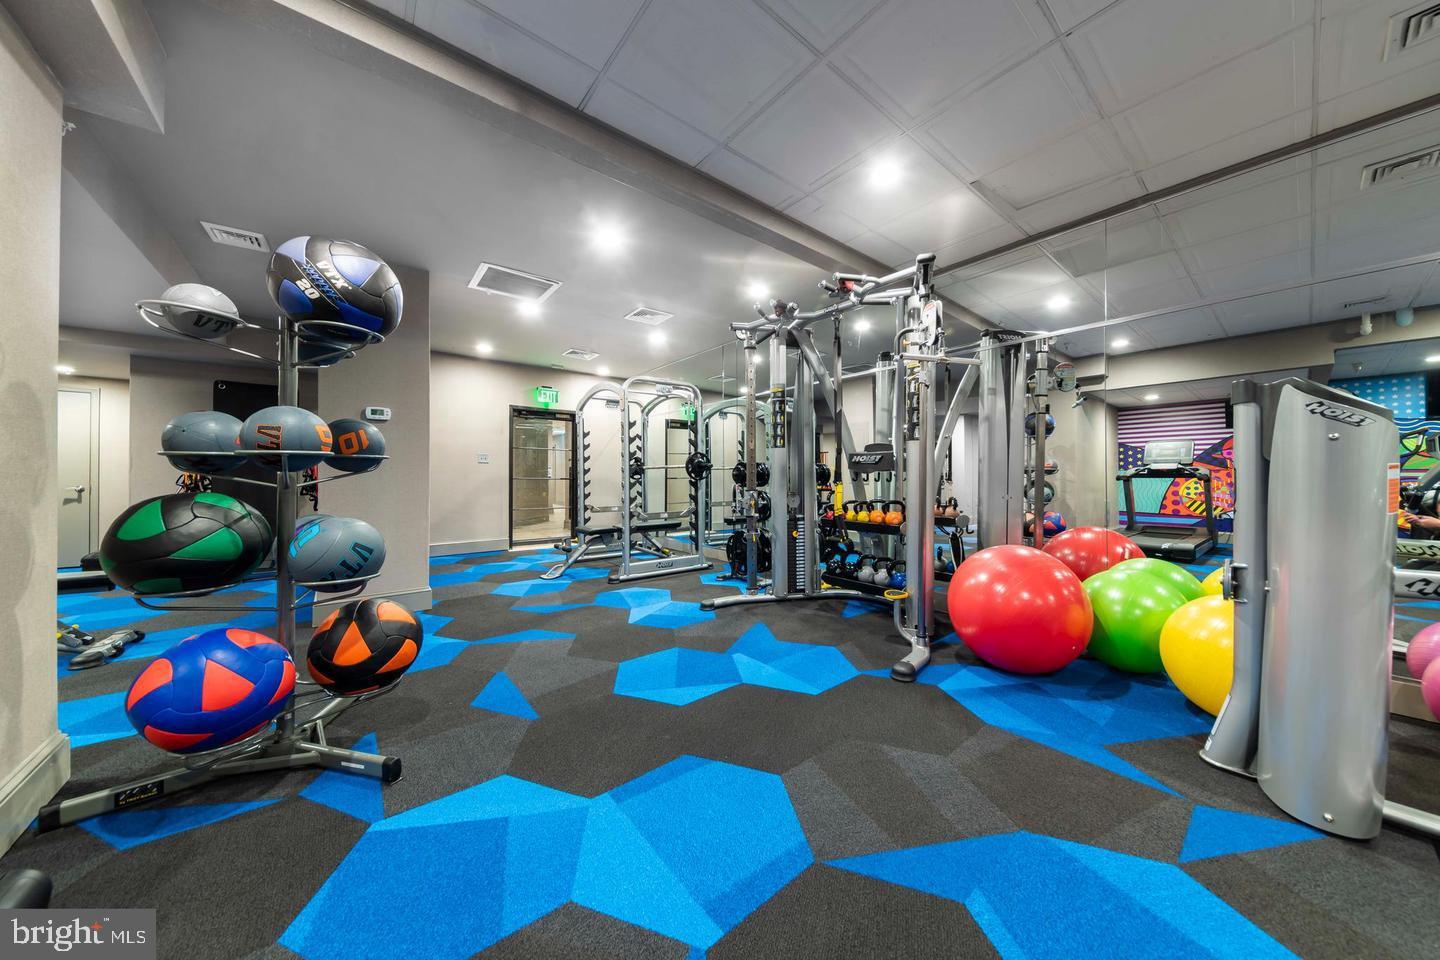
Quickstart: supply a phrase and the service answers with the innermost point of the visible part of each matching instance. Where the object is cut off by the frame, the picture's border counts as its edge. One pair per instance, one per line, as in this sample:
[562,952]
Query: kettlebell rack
[290,742]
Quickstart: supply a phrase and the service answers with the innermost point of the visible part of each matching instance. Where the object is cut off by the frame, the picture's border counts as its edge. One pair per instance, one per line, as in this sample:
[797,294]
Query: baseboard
[467,546]
[33,785]
[418,599]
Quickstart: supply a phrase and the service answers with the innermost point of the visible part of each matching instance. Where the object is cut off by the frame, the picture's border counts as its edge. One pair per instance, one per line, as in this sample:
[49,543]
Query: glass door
[541,491]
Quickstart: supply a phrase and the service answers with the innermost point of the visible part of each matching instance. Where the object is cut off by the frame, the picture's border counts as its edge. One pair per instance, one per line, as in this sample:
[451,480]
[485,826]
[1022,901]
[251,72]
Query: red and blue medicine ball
[211,689]
[315,278]
[1054,523]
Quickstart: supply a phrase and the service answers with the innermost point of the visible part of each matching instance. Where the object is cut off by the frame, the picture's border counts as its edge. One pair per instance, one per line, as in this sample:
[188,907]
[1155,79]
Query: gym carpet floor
[595,770]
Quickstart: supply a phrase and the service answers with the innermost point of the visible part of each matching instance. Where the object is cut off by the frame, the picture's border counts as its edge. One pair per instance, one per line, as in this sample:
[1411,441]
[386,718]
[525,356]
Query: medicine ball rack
[290,743]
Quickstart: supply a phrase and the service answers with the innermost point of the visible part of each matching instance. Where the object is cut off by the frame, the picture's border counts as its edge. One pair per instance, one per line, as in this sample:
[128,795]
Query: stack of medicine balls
[1092,590]
[225,685]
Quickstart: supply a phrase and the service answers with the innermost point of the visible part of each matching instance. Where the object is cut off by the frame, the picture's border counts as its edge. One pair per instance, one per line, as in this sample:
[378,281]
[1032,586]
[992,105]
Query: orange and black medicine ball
[363,646]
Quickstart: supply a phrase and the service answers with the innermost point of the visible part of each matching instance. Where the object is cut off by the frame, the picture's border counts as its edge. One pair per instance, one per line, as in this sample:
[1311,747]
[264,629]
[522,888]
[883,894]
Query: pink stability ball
[1430,688]
[1424,647]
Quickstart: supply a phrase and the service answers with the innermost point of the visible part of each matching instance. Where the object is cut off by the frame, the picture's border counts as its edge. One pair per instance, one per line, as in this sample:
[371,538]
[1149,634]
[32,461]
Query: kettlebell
[863,514]
[952,509]
[850,565]
[897,577]
[939,560]
[866,573]
[850,510]
[882,573]
[896,516]
[939,509]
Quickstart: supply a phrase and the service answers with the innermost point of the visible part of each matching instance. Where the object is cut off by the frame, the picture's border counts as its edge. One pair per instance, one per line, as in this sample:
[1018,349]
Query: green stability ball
[1131,606]
[1172,573]
[184,541]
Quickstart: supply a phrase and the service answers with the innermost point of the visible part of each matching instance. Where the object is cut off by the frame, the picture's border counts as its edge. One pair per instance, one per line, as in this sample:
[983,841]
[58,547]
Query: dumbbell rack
[291,742]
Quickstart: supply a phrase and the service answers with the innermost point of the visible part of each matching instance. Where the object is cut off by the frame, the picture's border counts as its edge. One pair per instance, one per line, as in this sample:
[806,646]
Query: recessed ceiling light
[485,348]
[862,326]
[657,338]
[1151,396]
[886,172]
[64,370]
[527,308]
[757,291]
[603,371]
[1120,343]
[608,238]
[1433,358]
[1057,303]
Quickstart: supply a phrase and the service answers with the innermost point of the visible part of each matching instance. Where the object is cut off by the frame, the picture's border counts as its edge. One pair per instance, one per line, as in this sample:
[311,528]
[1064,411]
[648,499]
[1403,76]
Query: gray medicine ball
[287,428]
[202,311]
[335,549]
[200,433]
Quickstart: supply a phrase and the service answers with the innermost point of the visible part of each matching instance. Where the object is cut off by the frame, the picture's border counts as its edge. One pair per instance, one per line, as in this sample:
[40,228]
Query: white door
[76,475]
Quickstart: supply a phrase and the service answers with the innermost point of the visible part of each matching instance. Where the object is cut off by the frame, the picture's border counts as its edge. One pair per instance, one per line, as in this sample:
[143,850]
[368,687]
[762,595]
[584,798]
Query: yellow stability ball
[1211,584]
[1197,647]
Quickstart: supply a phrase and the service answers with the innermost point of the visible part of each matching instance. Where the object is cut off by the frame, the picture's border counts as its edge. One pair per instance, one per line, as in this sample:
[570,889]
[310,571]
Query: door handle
[79,488]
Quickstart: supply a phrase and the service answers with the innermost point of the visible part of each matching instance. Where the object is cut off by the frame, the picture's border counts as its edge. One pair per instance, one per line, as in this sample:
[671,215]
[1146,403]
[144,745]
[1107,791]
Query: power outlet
[482,458]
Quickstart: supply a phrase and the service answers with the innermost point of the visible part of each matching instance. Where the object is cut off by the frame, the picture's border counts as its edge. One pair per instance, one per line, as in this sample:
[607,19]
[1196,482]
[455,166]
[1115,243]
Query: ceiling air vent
[1365,303]
[493,278]
[1412,27]
[1410,167]
[235,237]
[649,316]
[558,366]
[575,353]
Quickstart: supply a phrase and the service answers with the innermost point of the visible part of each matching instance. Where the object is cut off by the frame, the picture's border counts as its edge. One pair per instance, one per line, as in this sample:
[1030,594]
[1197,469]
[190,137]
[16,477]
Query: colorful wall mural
[1405,395]
[1179,501]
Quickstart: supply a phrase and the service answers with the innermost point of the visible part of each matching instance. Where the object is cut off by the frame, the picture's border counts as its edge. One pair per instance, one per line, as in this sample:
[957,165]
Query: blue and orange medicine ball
[363,646]
[1054,523]
[212,689]
[1030,424]
[339,288]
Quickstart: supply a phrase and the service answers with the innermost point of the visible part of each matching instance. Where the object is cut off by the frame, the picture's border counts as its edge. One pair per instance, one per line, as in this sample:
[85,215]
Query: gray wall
[394,374]
[1084,445]
[34,755]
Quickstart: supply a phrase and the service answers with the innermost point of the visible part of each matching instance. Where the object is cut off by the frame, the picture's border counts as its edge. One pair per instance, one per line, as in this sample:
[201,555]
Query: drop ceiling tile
[1068,13]
[1252,90]
[1377,98]
[977,245]
[1166,295]
[710,63]
[1217,213]
[1352,51]
[1034,307]
[1019,112]
[1074,204]
[1139,48]
[625,111]
[830,222]
[1270,311]
[967,297]
[491,39]
[921,51]
[1082,343]
[822,22]
[748,178]
[1271,240]
[588,31]
[1084,157]
[1256,274]
[813,128]
[1429,293]
[1144,272]
[1015,279]
[1383,208]
[1117,241]
[1175,329]
[1261,139]
[884,249]
[1373,293]
[922,178]
[1380,143]
[946,220]
[1359,251]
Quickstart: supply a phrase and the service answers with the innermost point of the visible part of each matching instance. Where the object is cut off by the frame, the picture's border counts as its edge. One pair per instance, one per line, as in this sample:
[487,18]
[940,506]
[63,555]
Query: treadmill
[1169,459]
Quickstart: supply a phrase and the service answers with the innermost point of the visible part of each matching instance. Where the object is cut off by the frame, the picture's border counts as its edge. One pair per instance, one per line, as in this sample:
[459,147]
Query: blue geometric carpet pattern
[679,676]
[1041,897]
[687,851]
[1223,833]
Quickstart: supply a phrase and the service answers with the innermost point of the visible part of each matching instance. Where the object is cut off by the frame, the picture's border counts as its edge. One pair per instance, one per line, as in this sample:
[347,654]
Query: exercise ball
[353,437]
[315,278]
[1131,607]
[1030,424]
[1089,550]
[1423,650]
[1430,688]
[184,541]
[1211,584]
[197,310]
[363,646]
[211,689]
[1019,610]
[1197,648]
[332,550]
[206,435]
[1174,574]
[1054,524]
[287,428]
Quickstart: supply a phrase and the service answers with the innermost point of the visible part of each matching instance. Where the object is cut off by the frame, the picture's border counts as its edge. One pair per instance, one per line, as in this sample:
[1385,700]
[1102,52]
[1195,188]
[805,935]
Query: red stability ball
[1091,550]
[1020,610]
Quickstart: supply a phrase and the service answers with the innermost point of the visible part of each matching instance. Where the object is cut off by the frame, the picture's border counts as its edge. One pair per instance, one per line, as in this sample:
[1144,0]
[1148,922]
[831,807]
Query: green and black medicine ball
[184,541]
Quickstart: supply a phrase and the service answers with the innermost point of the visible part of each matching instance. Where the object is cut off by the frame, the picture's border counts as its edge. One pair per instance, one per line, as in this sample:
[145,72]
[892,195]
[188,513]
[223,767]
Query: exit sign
[546,396]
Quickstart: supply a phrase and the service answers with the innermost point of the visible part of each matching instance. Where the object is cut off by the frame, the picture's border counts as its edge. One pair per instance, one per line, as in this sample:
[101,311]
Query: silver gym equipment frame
[919,348]
[297,737]
[1308,712]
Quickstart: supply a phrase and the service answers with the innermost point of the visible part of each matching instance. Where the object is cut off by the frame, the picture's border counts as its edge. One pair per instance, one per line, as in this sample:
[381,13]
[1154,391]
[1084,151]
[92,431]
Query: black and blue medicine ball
[316,278]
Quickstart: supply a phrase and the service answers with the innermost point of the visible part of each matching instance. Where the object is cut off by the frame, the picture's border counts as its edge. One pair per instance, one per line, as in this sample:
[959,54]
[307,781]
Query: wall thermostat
[377,413]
